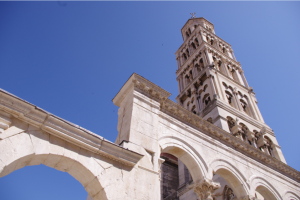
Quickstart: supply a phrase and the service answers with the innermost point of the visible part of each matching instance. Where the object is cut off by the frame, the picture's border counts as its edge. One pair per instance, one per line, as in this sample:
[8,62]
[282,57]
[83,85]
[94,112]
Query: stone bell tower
[212,85]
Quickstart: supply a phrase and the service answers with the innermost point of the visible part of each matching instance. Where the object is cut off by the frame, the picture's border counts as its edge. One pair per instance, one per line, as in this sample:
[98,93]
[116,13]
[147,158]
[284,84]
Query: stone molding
[173,109]
[137,81]
[234,111]
[199,123]
[205,45]
[65,130]
[196,79]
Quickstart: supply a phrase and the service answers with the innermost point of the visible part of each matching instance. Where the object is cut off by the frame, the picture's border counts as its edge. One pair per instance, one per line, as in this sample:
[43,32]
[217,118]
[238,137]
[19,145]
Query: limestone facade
[223,151]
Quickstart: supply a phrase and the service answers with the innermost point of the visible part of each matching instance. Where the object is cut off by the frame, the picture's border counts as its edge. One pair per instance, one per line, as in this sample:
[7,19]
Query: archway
[41,182]
[263,191]
[291,196]
[183,165]
[235,179]
[39,147]
[185,153]
[264,188]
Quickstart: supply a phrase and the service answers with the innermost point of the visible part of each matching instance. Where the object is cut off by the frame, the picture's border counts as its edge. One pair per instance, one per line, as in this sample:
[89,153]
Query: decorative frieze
[197,122]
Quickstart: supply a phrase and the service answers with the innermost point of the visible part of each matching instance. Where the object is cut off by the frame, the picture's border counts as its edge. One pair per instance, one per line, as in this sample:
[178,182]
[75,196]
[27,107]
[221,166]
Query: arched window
[197,42]
[191,75]
[187,34]
[245,106]
[198,68]
[185,57]
[224,50]
[193,45]
[187,79]
[188,106]
[188,52]
[193,109]
[206,99]
[229,98]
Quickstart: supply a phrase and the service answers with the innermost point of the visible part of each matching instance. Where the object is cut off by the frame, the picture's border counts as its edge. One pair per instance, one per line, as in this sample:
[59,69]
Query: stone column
[181,82]
[194,94]
[251,109]
[178,80]
[232,54]
[205,188]
[213,86]
[209,57]
[243,77]
[225,67]
[237,99]
[178,63]
[181,60]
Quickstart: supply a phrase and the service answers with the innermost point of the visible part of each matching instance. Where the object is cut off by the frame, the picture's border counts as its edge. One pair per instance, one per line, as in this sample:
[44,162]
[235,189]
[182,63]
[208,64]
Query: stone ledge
[180,113]
[173,109]
[143,84]
[65,130]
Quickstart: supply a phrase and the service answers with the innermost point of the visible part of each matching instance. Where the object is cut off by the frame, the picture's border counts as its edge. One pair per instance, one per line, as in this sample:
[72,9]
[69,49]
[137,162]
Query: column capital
[205,188]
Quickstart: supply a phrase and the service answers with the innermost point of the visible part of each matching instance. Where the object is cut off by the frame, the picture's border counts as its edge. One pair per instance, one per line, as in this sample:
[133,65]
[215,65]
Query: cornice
[209,47]
[190,59]
[221,54]
[217,103]
[210,33]
[175,110]
[232,80]
[65,130]
[192,83]
[143,84]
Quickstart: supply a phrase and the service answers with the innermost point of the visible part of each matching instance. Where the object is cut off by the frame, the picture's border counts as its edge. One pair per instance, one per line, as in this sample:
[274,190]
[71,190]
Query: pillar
[205,188]
[209,57]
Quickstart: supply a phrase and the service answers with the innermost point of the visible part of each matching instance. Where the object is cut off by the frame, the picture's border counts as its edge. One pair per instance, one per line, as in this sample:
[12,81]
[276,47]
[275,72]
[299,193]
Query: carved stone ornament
[250,135]
[261,142]
[204,189]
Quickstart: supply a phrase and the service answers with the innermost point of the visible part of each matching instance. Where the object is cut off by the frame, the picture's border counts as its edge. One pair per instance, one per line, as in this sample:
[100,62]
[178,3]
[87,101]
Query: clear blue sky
[71,58]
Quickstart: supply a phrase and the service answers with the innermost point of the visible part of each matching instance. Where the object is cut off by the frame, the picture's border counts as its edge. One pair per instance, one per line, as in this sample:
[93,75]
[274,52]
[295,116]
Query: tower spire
[213,86]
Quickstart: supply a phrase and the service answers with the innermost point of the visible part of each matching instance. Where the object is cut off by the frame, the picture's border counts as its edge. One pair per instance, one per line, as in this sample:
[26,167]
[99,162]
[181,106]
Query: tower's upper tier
[191,24]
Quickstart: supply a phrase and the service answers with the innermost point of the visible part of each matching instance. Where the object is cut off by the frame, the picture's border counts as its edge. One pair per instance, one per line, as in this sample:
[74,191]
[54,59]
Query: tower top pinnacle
[193,15]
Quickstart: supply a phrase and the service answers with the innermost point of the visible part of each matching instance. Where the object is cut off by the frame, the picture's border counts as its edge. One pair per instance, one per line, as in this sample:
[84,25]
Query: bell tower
[212,85]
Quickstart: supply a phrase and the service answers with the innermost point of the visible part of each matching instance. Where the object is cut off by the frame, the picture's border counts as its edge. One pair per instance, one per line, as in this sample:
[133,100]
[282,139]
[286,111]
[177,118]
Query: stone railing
[184,188]
[172,196]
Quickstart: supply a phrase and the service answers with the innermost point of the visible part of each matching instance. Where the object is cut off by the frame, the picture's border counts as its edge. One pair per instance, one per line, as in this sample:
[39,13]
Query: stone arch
[185,153]
[37,147]
[289,195]
[232,175]
[263,186]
